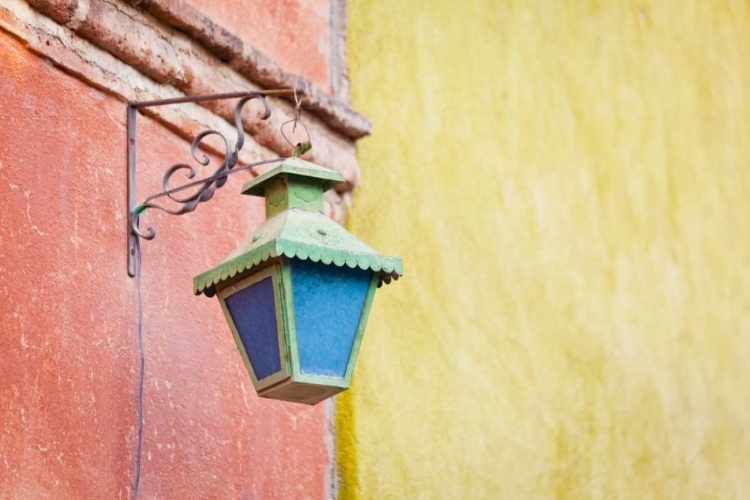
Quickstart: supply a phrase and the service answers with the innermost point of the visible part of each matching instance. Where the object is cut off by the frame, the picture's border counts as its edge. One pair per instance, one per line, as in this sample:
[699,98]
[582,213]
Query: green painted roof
[295,167]
[300,234]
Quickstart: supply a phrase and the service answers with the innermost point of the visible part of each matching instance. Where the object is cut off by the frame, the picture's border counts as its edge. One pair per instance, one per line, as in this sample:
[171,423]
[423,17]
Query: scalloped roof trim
[391,268]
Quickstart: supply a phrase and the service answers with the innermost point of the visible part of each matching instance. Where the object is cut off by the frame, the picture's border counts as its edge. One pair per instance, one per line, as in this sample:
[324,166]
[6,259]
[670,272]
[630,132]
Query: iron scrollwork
[204,188]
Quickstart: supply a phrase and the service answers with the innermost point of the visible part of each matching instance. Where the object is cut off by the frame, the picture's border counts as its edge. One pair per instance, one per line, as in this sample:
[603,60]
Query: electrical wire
[139,259]
[138,270]
[139,263]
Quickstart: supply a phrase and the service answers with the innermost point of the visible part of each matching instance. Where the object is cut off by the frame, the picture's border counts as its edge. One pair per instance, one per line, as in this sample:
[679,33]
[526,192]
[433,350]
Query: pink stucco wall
[68,346]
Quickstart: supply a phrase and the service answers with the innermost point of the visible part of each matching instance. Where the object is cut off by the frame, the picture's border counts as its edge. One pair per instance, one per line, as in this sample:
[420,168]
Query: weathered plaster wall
[69,352]
[68,346]
[569,185]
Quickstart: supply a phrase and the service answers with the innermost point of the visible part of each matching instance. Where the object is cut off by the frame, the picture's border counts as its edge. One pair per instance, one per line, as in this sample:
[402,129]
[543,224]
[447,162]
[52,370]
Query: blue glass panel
[254,313]
[328,302]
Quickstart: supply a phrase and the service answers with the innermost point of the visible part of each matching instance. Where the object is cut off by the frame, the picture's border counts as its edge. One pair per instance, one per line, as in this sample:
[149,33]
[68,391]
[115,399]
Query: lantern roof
[297,232]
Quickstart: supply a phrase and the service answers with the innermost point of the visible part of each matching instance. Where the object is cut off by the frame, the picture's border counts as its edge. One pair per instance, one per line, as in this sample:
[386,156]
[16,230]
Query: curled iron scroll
[205,187]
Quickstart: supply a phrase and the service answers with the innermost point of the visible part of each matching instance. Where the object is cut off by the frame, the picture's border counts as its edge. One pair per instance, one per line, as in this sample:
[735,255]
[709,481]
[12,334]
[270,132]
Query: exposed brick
[330,148]
[260,68]
[134,38]
[184,17]
[131,42]
[60,11]
[337,115]
[103,71]
[293,32]
[141,47]
[253,63]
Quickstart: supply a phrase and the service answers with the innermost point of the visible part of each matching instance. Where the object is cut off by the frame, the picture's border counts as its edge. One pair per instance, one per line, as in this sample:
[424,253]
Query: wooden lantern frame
[290,382]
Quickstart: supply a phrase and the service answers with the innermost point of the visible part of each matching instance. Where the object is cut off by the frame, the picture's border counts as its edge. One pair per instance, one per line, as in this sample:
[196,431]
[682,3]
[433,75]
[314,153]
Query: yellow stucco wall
[569,186]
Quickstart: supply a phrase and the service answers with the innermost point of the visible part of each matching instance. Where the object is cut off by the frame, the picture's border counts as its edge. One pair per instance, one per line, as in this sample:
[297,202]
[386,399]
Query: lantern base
[299,392]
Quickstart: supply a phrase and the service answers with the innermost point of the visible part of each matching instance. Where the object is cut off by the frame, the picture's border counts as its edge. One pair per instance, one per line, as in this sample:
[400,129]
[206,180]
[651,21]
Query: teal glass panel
[328,303]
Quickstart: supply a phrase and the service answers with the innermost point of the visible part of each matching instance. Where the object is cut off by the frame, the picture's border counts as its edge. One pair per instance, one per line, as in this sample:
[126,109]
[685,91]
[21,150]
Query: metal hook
[297,112]
[135,218]
[297,102]
[301,147]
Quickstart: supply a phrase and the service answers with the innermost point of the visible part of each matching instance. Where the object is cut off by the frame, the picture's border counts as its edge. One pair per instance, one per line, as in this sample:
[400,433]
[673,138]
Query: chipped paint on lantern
[298,291]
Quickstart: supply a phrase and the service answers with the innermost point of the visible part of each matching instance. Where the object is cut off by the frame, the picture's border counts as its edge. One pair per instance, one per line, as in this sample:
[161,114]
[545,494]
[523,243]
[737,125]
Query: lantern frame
[274,273]
[280,272]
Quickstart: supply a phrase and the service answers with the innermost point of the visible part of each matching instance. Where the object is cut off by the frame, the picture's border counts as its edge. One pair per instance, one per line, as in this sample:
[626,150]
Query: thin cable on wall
[138,275]
[205,189]
[139,264]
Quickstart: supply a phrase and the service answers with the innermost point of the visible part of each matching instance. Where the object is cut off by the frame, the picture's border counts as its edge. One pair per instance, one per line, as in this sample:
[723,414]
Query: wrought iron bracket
[204,188]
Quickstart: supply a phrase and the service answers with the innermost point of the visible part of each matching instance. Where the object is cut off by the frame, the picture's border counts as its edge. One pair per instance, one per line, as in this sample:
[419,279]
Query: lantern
[298,291]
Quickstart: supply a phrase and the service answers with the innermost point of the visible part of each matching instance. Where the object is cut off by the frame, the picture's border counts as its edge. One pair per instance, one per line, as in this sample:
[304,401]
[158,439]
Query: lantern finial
[293,184]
